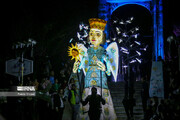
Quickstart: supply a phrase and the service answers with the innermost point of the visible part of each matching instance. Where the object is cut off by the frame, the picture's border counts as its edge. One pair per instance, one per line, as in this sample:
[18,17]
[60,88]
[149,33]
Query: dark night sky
[44,20]
[50,23]
[30,17]
[22,20]
[53,23]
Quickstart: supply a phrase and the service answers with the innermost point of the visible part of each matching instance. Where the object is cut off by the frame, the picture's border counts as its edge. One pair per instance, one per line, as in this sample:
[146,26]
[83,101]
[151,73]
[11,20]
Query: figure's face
[75,53]
[95,36]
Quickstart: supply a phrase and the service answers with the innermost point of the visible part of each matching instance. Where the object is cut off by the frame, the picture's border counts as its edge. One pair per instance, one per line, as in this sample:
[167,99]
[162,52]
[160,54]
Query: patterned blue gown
[93,75]
[93,78]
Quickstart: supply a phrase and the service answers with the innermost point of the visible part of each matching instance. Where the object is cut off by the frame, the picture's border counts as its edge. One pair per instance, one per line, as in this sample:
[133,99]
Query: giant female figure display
[96,62]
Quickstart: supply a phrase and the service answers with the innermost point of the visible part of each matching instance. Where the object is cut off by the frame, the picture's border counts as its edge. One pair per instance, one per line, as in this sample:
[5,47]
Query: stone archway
[143,20]
[106,8]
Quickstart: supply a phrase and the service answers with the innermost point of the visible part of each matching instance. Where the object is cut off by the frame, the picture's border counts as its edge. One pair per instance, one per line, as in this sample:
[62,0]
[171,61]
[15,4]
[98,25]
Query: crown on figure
[97,23]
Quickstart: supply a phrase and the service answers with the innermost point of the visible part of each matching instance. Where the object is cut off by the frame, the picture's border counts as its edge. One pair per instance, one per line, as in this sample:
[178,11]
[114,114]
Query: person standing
[51,77]
[59,104]
[55,86]
[94,101]
[73,99]
[144,94]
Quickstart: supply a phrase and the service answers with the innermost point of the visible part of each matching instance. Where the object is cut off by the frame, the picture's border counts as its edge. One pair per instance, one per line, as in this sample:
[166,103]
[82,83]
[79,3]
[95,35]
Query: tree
[131,48]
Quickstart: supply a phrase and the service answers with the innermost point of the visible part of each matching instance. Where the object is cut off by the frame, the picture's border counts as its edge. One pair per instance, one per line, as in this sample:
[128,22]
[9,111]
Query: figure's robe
[93,77]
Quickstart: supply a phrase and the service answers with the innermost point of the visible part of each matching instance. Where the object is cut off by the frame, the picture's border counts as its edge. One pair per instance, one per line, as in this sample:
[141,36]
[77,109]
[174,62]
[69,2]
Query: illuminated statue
[96,62]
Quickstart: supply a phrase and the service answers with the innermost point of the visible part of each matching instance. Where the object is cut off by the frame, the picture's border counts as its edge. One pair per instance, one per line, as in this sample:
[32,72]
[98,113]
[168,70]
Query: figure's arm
[76,66]
[106,59]
[101,66]
[82,63]
[105,67]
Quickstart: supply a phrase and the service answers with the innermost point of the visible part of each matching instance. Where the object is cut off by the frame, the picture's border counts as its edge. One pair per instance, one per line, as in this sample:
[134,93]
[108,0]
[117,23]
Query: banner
[156,82]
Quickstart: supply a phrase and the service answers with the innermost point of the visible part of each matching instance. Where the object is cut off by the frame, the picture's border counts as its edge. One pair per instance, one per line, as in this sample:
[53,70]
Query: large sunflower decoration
[75,52]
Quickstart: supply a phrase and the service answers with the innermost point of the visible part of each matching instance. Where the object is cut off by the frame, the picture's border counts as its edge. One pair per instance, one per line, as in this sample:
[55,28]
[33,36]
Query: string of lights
[130,46]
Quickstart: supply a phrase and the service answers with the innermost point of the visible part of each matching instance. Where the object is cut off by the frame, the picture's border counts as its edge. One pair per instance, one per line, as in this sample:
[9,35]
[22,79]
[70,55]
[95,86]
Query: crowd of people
[56,98]
[52,94]
[56,94]
[167,108]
